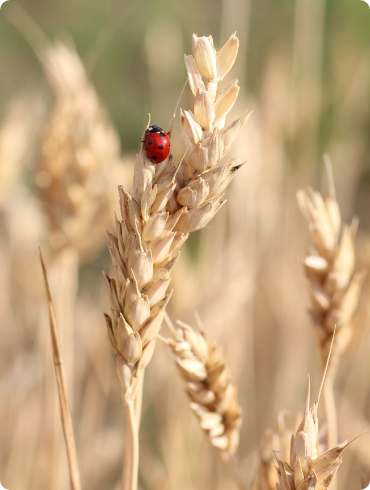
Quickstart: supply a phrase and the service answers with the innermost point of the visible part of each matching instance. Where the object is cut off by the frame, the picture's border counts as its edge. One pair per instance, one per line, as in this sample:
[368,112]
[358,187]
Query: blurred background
[77,80]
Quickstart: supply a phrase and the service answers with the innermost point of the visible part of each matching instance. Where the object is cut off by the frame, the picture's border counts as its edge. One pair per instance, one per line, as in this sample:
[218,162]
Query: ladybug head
[153,128]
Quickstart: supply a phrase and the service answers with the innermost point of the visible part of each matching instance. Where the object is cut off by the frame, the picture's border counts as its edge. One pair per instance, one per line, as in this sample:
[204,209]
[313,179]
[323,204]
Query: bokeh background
[304,68]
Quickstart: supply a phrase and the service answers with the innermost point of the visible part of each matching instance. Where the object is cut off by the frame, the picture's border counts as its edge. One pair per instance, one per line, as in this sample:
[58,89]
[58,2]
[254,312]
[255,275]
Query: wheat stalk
[65,411]
[169,200]
[334,286]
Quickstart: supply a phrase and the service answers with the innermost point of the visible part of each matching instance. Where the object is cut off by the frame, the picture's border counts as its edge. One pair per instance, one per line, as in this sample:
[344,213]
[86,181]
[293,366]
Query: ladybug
[157,144]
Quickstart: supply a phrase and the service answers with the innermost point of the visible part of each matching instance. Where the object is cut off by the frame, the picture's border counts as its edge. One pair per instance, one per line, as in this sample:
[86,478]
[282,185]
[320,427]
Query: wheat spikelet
[213,397]
[266,477]
[79,150]
[334,286]
[169,200]
[307,468]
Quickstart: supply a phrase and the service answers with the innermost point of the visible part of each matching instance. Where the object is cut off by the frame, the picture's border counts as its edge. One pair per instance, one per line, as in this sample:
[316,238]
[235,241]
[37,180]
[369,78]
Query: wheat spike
[334,286]
[266,477]
[169,200]
[307,468]
[213,397]
[80,148]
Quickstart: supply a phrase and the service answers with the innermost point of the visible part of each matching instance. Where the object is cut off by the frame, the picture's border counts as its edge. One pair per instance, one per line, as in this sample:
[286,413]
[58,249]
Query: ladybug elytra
[157,144]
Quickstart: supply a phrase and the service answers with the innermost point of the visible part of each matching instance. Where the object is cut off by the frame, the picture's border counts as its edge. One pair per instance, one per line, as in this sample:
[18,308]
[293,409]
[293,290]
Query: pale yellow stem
[331,418]
[62,390]
[235,473]
[131,463]
[139,399]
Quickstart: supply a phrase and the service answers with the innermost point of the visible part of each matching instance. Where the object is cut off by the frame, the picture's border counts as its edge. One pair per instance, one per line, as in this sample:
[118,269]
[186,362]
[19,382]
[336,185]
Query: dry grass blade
[62,390]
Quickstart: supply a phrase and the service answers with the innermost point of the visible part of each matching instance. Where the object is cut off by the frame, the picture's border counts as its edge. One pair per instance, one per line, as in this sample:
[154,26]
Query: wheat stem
[139,399]
[28,28]
[330,411]
[330,408]
[62,390]
[131,462]
[127,462]
[235,474]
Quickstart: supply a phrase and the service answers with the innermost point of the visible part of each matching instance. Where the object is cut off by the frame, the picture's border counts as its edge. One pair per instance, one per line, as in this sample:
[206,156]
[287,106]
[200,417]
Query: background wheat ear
[334,285]
[266,477]
[80,155]
[307,468]
[212,395]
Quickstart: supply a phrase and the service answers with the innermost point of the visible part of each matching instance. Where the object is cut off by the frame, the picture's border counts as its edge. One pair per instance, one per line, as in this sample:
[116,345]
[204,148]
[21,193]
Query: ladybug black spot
[154,158]
[150,143]
[160,147]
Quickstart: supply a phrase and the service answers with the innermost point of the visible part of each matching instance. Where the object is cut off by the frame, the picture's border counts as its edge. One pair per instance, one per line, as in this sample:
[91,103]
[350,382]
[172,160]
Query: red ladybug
[157,144]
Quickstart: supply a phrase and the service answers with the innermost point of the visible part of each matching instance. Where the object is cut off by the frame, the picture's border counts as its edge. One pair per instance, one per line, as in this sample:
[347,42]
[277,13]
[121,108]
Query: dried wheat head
[307,468]
[213,397]
[79,149]
[334,286]
[169,200]
[266,477]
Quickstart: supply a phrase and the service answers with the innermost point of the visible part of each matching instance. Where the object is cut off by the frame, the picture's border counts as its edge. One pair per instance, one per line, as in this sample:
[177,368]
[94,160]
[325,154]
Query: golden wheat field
[228,265]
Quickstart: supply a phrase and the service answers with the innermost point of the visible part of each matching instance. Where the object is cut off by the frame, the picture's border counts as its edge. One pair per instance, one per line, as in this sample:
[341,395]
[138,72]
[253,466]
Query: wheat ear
[266,477]
[79,152]
[212,395]
[169,200]
[80,146]
[334,286]
[307,468]
[65,411]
